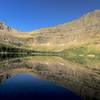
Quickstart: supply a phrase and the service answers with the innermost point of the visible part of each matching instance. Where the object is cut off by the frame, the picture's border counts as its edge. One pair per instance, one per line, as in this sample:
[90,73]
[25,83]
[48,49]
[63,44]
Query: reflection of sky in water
[83,80]
[25,86]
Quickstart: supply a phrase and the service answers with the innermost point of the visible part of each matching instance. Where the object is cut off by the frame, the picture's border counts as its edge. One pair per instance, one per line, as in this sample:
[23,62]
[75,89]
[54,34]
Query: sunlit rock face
[85,30]
[81,80]
[4,27]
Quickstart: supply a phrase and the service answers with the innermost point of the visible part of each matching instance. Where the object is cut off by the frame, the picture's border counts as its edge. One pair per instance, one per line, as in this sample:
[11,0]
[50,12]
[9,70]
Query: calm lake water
[26,87]
[48,78]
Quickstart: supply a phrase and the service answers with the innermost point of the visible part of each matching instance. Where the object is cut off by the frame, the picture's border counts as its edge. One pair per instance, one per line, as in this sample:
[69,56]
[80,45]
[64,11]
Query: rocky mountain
[82,31]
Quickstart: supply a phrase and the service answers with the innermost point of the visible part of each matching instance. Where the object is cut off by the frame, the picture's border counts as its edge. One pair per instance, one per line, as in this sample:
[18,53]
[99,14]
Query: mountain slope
[83,31]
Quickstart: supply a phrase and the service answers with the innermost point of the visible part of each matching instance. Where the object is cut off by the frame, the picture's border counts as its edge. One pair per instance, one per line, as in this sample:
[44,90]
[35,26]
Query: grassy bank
[81,55]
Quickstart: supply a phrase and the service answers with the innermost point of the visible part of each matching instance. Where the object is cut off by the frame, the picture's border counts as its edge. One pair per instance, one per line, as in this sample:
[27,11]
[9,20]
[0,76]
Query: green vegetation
[81,55]
[9,49]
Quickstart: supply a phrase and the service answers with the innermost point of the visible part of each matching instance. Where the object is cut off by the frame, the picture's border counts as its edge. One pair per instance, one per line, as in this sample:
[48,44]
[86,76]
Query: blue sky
[28,15]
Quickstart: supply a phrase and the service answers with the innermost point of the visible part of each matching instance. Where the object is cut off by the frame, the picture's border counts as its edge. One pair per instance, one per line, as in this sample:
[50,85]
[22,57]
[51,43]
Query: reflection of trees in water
[81,80]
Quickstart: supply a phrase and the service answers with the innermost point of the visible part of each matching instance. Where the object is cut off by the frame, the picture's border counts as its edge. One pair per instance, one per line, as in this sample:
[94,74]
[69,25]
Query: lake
[48,78]
[27,87]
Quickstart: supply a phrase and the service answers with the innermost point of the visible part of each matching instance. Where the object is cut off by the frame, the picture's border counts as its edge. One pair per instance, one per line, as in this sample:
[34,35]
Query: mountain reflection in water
[82,81]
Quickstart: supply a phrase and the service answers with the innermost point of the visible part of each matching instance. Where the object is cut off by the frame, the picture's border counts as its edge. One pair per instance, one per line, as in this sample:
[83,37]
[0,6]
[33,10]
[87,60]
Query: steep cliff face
[85,30]
[80,31]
